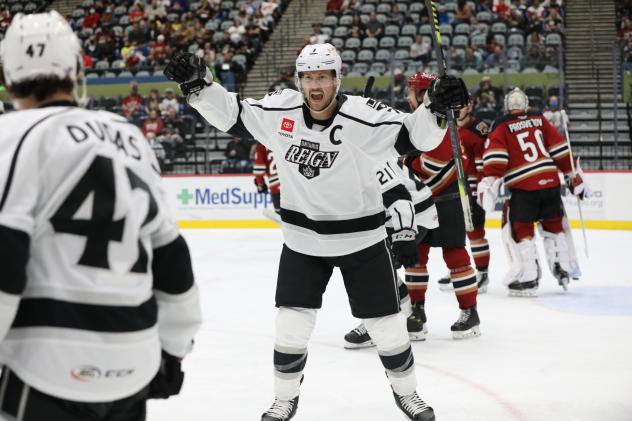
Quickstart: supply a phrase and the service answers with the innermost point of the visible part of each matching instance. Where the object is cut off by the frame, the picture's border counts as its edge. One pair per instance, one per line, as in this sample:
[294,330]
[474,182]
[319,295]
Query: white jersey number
[529,147]
[101,228]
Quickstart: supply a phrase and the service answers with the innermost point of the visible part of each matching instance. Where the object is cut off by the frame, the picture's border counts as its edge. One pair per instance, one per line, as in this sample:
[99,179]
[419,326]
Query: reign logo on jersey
[310,158]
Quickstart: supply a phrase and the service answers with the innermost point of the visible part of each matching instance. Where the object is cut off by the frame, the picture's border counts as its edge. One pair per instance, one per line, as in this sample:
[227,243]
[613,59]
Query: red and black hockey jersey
[527,151]
[436,167]
[264,166]
[473,140]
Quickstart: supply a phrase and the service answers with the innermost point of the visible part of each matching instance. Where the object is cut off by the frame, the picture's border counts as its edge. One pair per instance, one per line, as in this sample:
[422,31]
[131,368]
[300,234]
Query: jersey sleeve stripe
[330,227]
[397,192]
[48,312]
[366,123]
[403,145]
[239,129]
[14,159]
[269,108]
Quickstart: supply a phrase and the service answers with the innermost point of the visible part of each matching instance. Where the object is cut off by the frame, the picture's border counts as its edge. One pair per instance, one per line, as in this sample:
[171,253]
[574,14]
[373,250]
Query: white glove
[488,190]
[402,214]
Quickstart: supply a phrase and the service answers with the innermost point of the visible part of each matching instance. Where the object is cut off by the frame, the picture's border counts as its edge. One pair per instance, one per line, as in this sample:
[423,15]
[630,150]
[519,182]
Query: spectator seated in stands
[228,71]
[133,103]
[533,59]
[400,83]
[374,28]
[285,81]
[553,113]
[237,157]
[333,7]
[358,29]
[317,36]
[152,102]
[488,96]
[169,107]
[172,142]
[420,50]
[464,13]
[153,124]
[472,60]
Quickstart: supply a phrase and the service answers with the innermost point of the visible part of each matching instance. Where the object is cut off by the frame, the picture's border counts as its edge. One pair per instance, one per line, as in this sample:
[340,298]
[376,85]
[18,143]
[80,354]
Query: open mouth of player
[317,96]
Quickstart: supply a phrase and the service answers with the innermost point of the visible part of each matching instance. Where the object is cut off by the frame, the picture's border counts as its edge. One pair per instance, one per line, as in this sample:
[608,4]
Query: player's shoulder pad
[283,98]
[369,110]
[480,128]
[499,121]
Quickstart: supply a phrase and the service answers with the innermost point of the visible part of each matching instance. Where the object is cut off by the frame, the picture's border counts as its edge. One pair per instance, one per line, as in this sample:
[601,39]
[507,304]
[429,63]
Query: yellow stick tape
[490,223]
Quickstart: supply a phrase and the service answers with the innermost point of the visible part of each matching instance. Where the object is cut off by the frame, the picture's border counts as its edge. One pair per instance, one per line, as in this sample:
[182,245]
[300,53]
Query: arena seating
[492,35]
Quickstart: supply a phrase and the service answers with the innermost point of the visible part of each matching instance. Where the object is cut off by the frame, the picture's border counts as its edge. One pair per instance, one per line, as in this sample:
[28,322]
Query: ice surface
[558,357]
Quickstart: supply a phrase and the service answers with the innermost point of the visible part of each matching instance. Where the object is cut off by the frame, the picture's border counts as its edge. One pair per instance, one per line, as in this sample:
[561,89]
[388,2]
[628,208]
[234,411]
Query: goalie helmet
[516,100]
[318,57]
[421,81]
[39,45]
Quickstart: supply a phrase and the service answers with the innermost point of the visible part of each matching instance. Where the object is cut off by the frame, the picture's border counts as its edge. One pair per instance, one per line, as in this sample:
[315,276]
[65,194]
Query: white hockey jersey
[85,187]
[331,204]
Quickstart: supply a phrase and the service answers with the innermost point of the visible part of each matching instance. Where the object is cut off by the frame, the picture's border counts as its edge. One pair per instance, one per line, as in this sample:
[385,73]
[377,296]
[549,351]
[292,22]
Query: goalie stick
[454,136]
[573,174]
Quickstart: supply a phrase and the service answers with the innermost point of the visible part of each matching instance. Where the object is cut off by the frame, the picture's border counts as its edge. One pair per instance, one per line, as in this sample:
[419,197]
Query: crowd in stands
[624,30]
[482,36]
[131,37]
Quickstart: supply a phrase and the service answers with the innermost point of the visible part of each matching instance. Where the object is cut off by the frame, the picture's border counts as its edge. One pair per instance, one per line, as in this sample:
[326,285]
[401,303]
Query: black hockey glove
[404,248]
[168,381]
[189,71]
[446,93]
[261,188]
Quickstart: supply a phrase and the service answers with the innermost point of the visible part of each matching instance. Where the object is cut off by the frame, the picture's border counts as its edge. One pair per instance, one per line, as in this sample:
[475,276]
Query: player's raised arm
[223,109]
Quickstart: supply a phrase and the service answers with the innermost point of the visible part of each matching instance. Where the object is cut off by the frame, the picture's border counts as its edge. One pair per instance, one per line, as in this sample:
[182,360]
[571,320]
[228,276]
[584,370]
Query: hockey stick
[454,136]
[368,87]
[573,173]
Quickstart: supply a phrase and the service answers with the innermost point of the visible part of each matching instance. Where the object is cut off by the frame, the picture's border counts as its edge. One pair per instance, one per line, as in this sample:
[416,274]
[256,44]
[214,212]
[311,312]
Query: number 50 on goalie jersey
[89,251]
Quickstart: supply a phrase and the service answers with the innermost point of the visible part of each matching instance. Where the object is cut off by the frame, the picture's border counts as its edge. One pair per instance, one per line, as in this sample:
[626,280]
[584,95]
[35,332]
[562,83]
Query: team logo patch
[287,125]
[482,127]
[310,158]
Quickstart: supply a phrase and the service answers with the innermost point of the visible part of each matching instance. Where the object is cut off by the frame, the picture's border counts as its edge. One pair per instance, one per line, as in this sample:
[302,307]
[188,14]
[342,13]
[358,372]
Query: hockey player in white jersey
[328,147]
[97,300]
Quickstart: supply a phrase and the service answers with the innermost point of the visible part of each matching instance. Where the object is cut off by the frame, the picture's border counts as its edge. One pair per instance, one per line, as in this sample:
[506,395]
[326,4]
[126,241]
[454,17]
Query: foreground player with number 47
[328,147]
[526,152]
[96,278]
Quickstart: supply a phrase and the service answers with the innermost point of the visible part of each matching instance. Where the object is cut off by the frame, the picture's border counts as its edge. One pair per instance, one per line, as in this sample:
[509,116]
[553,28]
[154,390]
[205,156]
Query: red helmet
[421,81]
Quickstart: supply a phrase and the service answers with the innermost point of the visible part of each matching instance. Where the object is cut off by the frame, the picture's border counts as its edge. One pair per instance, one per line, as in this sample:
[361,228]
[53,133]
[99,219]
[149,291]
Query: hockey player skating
[265,167]
[472,133]
[327,147]
[410,213]
[96,277]
[436,168]
[526,152]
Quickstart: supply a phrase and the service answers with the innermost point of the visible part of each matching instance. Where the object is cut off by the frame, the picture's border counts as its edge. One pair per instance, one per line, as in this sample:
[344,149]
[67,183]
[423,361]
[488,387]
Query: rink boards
[232,201]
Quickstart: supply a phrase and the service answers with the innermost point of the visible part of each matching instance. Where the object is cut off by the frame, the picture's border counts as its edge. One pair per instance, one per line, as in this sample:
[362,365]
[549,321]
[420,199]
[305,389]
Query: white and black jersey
[331,204]
[402,189]
[89,251]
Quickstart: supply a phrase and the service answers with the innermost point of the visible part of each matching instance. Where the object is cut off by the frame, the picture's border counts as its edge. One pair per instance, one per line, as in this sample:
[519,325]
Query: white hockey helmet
[516,100]
[318,57]
[37,45]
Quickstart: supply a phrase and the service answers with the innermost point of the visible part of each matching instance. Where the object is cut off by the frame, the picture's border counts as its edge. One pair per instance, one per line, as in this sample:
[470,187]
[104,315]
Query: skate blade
[471,333]
[482,289]
[524,293]
[564,283]
[446,287]
[349,345]
[418,336]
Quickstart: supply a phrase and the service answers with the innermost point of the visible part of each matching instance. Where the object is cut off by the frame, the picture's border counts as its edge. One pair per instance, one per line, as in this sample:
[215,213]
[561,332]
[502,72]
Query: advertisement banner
[217,201]
[232,201]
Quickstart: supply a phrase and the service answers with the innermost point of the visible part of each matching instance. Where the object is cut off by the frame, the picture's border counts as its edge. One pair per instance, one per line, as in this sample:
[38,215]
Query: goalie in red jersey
[526,152]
